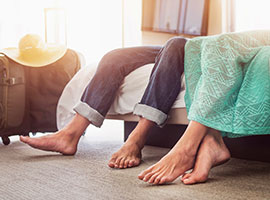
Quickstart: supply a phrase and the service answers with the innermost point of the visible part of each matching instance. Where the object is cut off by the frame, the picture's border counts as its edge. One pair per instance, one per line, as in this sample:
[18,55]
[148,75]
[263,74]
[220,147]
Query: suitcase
[29,95]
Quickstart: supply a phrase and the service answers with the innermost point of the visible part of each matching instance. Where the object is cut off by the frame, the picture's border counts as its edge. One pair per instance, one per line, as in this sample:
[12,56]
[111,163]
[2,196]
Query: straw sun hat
[33,52]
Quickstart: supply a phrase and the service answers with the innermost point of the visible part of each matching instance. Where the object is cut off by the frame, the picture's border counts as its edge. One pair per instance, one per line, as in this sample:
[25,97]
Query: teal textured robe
[228,82]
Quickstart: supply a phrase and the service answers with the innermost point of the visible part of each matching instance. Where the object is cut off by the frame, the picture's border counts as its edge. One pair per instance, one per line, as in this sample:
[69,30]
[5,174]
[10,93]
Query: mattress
[129,93]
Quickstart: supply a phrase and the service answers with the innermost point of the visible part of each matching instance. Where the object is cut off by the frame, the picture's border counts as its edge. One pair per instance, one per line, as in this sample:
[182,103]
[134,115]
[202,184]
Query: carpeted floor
[32,174]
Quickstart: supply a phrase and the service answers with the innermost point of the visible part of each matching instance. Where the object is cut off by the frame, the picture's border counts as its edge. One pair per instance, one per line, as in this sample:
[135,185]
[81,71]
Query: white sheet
[130,93]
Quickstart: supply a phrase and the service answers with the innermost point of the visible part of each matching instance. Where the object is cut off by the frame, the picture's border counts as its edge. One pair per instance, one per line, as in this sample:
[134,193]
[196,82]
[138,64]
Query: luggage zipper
[5,72]
[5,89]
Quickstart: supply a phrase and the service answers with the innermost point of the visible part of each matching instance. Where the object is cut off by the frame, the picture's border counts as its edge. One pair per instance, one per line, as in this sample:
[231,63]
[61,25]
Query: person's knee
[110,62]
[176,43]
[111,57]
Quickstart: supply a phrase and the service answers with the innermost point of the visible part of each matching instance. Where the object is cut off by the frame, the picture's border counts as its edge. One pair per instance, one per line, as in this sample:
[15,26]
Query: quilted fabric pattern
[228,82]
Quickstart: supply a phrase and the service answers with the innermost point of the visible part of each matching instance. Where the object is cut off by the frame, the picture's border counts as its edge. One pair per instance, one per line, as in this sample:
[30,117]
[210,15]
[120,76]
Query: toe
[195,178]
[189,180]
[153,178]
[112,162]
[186,176]
[143,173]
[157,179]
[163,180]
[136,162]
[117,162]
[122,163]
[148,176]
[126,163]
[24,139]
[131,163]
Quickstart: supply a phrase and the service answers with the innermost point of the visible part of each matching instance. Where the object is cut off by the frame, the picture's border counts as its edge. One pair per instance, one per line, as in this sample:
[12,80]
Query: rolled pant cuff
[89,113]
[151,114]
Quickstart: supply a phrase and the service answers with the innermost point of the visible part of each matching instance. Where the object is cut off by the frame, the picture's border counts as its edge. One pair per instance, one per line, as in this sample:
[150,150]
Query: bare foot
[171,166]
[59,142]
[129,155]
[64,141]
[180,159]
[212,152]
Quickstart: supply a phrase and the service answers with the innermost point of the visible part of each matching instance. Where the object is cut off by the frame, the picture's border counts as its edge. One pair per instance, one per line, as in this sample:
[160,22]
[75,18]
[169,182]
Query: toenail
[186,180]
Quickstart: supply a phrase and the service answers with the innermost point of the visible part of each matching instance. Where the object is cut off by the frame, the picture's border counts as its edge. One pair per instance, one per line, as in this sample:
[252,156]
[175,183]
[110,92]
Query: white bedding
[128,95]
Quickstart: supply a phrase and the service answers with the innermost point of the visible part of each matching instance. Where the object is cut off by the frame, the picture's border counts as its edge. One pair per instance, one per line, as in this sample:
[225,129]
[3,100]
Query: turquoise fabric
[228,82]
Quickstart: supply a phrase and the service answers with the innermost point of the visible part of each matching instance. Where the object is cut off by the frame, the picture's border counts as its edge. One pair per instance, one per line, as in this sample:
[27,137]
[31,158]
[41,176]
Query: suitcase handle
[11,81]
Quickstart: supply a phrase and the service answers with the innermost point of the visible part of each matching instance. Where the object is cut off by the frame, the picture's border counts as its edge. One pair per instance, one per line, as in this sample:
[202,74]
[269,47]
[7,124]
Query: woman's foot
[212,152]
[171,166]
[180,159]
[64,141]
[129,155]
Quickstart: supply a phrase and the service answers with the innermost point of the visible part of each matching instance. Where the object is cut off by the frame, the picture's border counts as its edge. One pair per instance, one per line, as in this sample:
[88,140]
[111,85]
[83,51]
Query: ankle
[187,146]
[214,139]
[186,149]
[138,138]
[139,142]
[69,133]
[190,151]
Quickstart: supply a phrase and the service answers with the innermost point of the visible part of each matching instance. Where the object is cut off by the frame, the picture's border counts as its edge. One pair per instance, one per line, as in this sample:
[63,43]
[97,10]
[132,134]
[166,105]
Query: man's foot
[64,141]
[171,166]
[59,142]
[212,152]
[129,155]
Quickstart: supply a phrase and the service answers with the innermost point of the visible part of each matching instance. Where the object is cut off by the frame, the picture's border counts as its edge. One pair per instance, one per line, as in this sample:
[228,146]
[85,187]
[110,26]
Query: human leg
[251,94]
[164,84]
[97,97]
[219,63]
[112,69]
[160,94]
[181,158]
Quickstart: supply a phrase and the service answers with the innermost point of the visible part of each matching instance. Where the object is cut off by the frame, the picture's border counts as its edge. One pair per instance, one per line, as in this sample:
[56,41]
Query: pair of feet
[212,152]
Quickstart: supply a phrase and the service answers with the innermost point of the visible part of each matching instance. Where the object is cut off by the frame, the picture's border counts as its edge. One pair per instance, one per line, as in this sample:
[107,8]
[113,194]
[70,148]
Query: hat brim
[50,54]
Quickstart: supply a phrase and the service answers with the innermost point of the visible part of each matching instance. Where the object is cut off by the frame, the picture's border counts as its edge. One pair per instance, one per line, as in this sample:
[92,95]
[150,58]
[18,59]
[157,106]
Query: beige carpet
[31,174]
